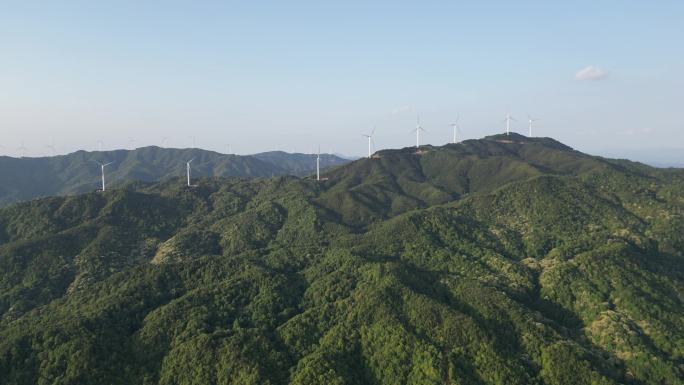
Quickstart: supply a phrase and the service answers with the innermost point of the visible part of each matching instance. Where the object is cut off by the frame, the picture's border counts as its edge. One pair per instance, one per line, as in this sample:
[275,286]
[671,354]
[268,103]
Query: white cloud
[591,73]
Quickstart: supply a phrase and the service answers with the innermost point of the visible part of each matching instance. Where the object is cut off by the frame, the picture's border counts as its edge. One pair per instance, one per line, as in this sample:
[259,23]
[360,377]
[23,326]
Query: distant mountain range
[656,157]
[27,178]
[503,260]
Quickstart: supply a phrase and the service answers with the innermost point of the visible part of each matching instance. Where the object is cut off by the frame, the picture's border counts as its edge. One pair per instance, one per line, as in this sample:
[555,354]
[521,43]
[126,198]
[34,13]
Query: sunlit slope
[395,181]
[500,261]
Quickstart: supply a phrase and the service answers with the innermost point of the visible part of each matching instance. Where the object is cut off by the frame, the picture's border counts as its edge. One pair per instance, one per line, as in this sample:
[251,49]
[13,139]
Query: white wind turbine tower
[455,127]
[418,129]
[52,148]
[102,167]
[22,150]
[370,138]
[187,169]
[164,140]
[318,164]
[508,123]
[100,144]
[531,120]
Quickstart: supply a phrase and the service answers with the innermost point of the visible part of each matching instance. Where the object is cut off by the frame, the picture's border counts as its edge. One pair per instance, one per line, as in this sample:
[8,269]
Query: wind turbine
[318,164]
[131,142]
[99,145]
[418,129]
[164,140]
[455,127]
[187,169]
[22,150]
[508,123]
[52,148]
[531,120]
[102,167]
[370,138]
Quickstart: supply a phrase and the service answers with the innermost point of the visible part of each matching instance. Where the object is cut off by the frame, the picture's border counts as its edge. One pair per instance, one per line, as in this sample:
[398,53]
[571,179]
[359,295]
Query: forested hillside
[505,260]
[79,172]
[298,163]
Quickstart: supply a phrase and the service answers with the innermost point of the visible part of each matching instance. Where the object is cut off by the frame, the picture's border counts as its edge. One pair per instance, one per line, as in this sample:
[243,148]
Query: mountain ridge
[486,262]
[79,171]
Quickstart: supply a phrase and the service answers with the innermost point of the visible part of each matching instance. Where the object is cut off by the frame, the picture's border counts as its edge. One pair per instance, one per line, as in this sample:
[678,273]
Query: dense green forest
[79,172]
[504,260]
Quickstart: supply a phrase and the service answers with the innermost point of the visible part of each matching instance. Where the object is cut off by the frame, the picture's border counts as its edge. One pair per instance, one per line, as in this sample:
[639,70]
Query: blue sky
[265,75]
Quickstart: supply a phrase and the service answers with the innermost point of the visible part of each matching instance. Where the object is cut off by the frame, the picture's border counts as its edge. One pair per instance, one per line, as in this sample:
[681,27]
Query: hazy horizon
[603,78]
[656,157]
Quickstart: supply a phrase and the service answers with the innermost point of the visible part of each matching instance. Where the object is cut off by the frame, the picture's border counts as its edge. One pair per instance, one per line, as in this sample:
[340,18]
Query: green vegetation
[505,260]
[79,172]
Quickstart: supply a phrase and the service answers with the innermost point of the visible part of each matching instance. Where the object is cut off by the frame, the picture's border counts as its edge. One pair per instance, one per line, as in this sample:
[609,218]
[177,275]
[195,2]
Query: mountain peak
[516,138]
[500,255]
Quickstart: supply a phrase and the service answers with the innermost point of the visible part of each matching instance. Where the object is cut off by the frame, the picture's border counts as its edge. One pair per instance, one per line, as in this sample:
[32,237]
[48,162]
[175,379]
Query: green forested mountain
[298,163]
[29,178]
[505,260]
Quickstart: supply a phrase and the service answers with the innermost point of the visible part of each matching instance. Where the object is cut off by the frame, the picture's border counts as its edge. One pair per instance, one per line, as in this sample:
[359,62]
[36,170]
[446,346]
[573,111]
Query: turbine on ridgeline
[370,139]
[102,167]
[417,130]
[318,164]
[456,128]
[530,121]
[52,148]
[508,123]
[22,150]
[187,170]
